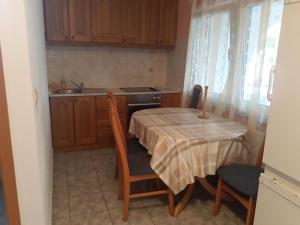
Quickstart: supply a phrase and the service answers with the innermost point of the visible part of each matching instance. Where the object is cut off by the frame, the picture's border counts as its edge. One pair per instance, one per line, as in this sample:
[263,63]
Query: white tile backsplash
[107,67]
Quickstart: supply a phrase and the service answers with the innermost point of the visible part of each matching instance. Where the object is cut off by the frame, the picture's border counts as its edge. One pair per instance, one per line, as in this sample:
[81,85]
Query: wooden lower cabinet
[83,122]
[105,136]
[73,121]
[85,118]
[171,100]
[62,121]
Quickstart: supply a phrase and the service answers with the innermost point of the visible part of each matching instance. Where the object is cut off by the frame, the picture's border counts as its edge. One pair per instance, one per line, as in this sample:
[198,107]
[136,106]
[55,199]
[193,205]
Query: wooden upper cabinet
[106,16]
[62,121]
[150,21]
[85,120]
[80,22]
[56,20]
[168,22]
[132,21]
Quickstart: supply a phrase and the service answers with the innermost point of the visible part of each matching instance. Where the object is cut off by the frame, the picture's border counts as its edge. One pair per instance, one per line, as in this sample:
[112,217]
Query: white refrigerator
[278,200]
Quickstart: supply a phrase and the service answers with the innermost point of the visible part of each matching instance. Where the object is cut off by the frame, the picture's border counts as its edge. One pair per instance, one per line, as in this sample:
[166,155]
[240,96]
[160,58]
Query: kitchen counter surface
[116,91]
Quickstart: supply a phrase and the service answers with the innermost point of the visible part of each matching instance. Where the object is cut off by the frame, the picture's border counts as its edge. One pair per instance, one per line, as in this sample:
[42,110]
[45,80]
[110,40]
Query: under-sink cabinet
[83,122]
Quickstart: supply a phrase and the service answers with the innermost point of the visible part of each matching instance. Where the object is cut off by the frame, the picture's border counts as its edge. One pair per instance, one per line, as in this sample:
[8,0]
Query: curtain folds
[232,49]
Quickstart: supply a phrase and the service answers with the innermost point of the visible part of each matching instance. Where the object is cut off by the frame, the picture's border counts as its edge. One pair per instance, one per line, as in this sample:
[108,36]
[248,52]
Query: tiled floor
[85,193]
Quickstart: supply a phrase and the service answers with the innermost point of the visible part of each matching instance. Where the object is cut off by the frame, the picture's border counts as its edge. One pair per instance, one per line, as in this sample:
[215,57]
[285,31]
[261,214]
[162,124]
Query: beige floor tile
[83,185]
[60,208]
[96,218]
[83,205]
[113,202]
[136,217]
[61,221]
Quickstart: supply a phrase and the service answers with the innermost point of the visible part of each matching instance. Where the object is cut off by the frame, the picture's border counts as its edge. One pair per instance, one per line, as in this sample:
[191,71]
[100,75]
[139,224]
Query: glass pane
[250,49]
[222,58]
[271,48]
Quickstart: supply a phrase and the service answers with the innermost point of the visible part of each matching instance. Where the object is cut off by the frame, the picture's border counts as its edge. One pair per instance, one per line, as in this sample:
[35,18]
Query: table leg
[176,210]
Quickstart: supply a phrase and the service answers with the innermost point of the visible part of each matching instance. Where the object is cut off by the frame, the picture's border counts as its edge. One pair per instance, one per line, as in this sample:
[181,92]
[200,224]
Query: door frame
[6,157]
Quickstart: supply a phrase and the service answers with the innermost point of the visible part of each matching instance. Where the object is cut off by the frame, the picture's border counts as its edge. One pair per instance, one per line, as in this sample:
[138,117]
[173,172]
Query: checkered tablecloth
[183,146]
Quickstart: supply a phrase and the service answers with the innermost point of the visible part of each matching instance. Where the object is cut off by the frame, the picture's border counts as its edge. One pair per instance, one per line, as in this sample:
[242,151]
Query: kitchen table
[185,147]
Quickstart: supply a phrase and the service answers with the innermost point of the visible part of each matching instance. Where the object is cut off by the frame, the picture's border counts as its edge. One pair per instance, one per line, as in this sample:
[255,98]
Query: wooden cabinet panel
[106,20]
[132,21]
[150,22]
[56,20]
[171,100]
[168,22]
[80,23]
[62,121]
[105,135]
[85,120]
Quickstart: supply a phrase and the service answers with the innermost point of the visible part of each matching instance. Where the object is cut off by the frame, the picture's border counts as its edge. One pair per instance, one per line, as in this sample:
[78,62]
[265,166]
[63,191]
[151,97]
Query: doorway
[9,207]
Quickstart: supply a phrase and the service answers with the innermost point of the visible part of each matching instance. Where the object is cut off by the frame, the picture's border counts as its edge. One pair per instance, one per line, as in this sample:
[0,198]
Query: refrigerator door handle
[280,188]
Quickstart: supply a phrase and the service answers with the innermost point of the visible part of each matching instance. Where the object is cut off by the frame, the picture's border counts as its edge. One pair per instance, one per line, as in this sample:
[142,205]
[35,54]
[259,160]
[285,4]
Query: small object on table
[204,116]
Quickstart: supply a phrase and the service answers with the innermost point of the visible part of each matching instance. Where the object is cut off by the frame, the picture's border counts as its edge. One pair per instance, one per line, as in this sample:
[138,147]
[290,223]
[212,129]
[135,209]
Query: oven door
[133,107]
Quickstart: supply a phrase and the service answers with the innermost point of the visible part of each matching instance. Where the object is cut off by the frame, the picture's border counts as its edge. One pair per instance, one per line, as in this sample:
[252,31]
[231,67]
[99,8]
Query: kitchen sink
[68,91]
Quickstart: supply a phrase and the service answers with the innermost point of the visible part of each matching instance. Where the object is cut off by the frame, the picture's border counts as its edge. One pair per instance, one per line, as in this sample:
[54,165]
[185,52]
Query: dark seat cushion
[139,163]
[134,146]
[242,178]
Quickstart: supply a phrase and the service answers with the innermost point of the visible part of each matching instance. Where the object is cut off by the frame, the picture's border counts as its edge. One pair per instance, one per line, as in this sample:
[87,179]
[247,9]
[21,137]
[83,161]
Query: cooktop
[139,89]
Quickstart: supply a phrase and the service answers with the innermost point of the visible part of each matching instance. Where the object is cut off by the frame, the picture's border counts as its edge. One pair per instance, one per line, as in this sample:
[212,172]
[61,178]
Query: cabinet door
[80,24]
[132,21]
[62,121]
[85,120]
[107,20]
[168,22]
[150,21]
[56,20]
[171,100]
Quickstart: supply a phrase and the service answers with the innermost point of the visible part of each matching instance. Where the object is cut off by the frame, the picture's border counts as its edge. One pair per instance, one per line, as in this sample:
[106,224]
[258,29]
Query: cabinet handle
[66,37]
[72,37]
[124,39]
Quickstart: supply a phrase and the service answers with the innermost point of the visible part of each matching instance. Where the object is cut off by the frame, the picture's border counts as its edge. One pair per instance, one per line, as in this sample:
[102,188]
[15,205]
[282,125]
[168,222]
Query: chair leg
[171,202]
[251,211]
[219,194]
[126,192]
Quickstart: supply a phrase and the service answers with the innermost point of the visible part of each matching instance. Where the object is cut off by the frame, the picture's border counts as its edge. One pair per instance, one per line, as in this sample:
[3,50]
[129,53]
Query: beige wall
[24,61]
[107,67]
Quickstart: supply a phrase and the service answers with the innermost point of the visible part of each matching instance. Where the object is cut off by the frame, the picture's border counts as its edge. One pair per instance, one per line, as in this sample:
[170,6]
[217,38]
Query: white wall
[24,59]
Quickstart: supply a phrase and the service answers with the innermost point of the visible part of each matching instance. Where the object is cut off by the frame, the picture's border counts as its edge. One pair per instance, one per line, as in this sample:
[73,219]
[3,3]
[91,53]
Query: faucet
[81,86]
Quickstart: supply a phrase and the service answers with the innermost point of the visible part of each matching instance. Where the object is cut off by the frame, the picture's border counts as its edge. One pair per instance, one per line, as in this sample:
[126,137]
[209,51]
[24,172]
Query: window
[259,60]
[244,50]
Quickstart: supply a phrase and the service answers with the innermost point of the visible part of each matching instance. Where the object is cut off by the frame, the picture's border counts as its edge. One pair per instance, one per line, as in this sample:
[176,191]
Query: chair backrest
[260,154]
[111,96]
[121,145]
[196,97]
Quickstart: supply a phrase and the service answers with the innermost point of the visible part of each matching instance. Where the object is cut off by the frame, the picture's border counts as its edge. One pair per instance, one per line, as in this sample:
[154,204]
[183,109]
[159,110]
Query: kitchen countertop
[116,91]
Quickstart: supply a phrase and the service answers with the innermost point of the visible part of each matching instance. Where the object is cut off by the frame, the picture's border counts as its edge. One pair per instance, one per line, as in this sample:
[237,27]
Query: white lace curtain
[232,49]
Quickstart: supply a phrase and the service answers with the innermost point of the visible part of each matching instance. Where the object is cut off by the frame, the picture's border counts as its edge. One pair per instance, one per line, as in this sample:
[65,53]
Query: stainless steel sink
[68,91]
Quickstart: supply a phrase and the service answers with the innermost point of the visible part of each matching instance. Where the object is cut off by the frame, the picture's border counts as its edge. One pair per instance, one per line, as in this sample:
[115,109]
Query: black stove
[139,89]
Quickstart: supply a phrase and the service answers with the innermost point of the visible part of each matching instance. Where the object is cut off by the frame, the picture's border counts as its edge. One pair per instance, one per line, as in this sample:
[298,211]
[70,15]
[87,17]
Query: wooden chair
[196,97]
[135,167]
[240,182]
[133,144]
